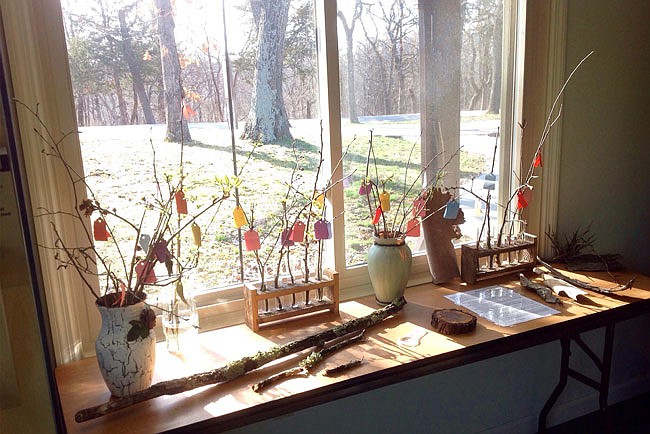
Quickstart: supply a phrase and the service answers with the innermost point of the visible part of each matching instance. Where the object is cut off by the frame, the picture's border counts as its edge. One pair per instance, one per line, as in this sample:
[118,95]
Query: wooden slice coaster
[452,321]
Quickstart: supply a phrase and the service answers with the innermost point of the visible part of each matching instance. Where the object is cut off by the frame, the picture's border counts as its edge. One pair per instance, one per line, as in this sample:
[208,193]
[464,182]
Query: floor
[628,417]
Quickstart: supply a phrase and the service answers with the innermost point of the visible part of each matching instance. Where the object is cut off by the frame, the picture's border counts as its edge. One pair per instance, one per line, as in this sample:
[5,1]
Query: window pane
[380,59]
[118,65]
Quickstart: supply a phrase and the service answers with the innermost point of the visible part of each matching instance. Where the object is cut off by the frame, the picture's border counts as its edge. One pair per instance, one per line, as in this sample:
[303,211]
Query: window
[452,102]
[202,106]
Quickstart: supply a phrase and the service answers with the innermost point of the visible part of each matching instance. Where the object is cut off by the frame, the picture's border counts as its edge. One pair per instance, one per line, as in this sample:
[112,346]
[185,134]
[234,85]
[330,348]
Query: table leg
[602,386]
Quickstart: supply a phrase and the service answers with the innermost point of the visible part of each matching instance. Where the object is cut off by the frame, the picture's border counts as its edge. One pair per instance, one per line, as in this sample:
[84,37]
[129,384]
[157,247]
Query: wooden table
[226,406]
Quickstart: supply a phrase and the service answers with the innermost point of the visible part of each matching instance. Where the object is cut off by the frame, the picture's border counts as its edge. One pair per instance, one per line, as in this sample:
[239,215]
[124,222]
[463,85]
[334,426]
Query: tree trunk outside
[177,129]
[121,102]
[349,31]
[134,69]
[267,119]
[495,95]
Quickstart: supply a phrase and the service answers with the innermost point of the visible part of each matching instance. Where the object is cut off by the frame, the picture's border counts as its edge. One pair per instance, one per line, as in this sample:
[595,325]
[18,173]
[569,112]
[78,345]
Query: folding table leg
[602,386]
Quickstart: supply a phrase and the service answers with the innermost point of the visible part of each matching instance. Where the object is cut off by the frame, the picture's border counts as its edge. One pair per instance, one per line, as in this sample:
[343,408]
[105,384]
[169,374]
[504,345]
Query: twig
[242,366]
[306,365]
[580,284]
[332,372]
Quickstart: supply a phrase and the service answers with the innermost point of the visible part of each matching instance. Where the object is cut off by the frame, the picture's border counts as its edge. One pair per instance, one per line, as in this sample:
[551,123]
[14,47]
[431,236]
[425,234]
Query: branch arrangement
[411,207]
[124,280]
[303,202]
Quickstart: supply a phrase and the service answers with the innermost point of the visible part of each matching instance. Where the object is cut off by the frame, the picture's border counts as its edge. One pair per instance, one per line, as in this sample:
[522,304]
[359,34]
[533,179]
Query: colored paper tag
[490,181]
[523,197]
[413,228]
[161,252]
[297,232]
[252,240]
[419,207]
[322,230]
[144,242]
[286,238]
[384,200]
[364,189]
[181,203]
[377,216]
[239,216]
[538,159]
[319,199]
[196,234]
[146,268]
[99,230]
[451,210]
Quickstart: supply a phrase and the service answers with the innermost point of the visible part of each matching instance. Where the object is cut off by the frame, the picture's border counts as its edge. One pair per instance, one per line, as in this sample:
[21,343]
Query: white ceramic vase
[127,366]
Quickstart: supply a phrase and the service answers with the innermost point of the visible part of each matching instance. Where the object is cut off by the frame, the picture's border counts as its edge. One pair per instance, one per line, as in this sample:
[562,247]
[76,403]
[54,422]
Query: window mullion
[330,104]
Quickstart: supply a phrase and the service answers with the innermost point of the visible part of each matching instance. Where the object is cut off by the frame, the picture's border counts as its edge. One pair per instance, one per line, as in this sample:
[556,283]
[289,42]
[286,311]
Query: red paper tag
[419,207]
[286,238]
[523,197]
[252,240]
[377,216]
[181,203]
[538,159]
[147,268]
[99,230]
[298,232]
[413,228]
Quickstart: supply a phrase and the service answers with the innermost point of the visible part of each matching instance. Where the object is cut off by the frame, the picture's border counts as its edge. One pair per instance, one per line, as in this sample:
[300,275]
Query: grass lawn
[119,162]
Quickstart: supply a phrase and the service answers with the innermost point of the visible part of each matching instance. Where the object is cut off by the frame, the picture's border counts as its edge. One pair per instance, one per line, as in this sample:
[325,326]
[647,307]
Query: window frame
[38,60]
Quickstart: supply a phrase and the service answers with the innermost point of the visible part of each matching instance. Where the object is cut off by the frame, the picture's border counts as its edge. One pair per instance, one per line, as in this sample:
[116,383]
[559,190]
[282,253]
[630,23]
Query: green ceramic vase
[389,266]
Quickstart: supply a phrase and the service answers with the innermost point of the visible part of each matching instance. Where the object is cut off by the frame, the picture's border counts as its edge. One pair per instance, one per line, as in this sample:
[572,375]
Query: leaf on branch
[138,330]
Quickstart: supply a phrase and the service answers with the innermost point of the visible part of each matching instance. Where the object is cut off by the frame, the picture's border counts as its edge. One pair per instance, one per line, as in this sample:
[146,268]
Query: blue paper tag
[451,210]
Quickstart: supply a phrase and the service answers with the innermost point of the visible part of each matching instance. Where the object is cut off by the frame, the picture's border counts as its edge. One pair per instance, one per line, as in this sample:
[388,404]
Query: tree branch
[242,366]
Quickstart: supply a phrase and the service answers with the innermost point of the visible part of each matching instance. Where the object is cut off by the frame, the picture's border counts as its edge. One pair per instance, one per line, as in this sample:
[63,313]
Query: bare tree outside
[267,119]
[177,129]
[348,28]
[134,66]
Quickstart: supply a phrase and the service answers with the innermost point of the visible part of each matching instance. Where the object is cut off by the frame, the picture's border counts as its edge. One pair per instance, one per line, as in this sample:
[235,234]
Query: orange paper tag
[239,216]
[377,216]
[413,228]
[181,203]
[384,200]
[99,230]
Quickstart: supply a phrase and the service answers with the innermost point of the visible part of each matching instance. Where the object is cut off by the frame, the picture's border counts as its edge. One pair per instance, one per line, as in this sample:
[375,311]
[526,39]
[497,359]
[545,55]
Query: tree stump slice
[452,321]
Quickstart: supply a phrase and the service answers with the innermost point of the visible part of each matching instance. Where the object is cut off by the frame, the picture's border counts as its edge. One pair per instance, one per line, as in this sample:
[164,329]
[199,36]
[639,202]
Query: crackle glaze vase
[126,366]
[389,266]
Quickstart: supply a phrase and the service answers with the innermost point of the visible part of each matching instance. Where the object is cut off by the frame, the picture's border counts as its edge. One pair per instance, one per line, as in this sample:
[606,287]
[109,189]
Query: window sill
[229,405]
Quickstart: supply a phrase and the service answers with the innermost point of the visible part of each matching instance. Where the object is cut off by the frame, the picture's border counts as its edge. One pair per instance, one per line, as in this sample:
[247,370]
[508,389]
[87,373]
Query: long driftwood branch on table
[240,367]
[580,284]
